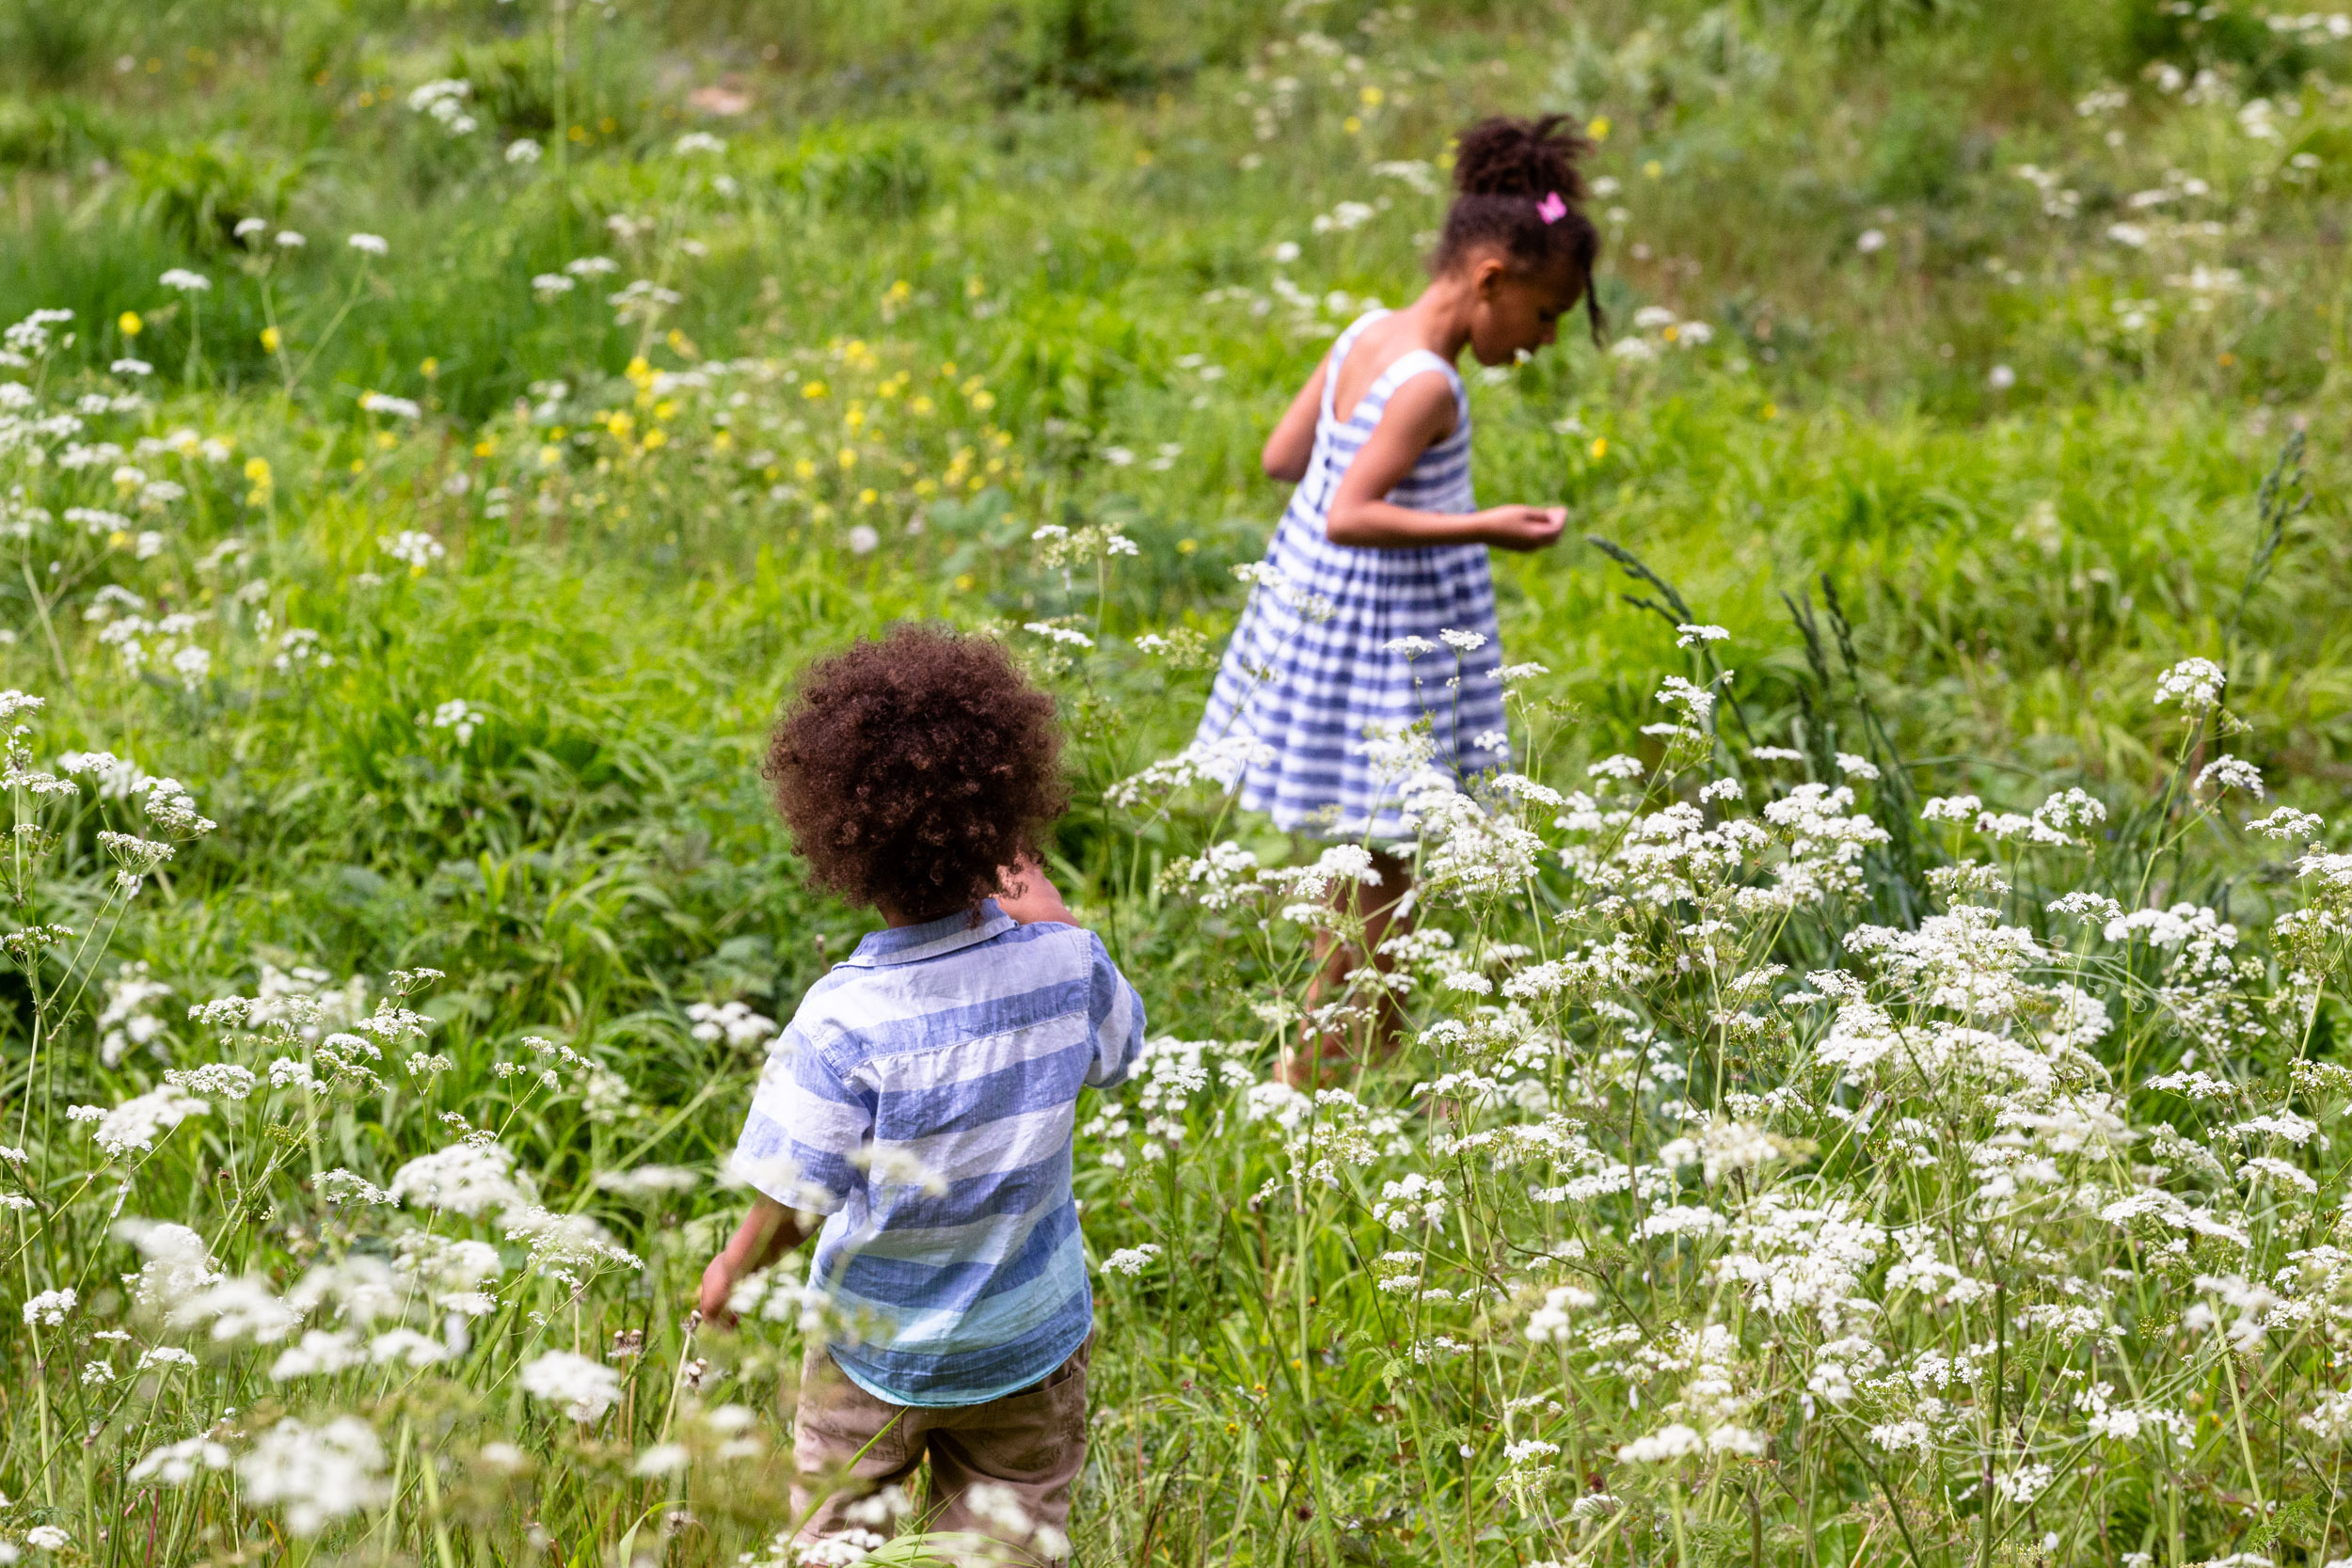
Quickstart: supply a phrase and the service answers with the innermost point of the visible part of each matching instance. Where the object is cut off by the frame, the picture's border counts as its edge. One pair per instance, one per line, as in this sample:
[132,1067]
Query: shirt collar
[906,944]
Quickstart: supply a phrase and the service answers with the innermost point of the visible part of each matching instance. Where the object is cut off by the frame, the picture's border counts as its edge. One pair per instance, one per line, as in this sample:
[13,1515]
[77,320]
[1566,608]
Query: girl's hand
[1522,528]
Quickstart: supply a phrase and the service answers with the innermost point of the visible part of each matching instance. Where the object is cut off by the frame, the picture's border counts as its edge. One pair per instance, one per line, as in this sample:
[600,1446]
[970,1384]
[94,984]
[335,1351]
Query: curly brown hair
[911,769]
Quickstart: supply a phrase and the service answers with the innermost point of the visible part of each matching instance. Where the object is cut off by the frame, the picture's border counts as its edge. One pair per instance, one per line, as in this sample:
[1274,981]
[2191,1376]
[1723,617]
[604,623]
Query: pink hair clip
[1551,209]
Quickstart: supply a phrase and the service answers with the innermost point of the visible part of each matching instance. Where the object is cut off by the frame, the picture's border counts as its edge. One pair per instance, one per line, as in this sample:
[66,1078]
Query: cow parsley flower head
[459,716]
[1131,1260]
[1695,702]
[322,1352]
[138,1122]
[1664,1445]
[1550,1322]
[2195,684]
[178,1262]
[1066,635]
[585,1388]
[733,1021]
[444,101]
[50,1307]
[241,1308]
[177,1463]
[383,403]
[2228,773]
[413,548]
[466,1179]
[2288,824]
[319,1474]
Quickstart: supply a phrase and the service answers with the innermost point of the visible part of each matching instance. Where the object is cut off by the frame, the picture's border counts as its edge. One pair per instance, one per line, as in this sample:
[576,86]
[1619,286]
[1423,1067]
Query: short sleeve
[805,1128]
[1116,1014]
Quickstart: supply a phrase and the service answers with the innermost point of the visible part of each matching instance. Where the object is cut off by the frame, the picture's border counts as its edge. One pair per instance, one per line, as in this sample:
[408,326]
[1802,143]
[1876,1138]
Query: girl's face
[1517,313]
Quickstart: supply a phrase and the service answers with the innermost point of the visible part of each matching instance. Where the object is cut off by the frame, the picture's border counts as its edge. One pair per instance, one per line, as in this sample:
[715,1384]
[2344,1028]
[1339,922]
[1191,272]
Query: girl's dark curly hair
[1504,171]
[911,769]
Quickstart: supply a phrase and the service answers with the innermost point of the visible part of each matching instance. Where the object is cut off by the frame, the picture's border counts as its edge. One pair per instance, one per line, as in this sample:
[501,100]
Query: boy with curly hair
[923,1098]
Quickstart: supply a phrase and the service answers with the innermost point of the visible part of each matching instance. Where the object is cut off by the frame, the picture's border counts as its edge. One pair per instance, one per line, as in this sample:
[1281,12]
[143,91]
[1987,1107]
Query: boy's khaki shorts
[1001,1470]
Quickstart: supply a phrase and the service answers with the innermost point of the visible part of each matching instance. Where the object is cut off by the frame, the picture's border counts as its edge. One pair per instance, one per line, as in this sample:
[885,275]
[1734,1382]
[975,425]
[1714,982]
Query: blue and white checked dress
[1309,691]
[922,1098]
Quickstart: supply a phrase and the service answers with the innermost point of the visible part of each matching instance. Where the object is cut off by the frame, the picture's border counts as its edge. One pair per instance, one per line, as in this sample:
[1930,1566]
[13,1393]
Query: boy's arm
[766,1234]
[1029,896]
[1117,1015]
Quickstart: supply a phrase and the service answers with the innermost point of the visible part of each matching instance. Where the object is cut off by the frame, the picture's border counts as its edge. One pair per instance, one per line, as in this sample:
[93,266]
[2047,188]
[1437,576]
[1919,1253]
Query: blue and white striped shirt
[923,1098]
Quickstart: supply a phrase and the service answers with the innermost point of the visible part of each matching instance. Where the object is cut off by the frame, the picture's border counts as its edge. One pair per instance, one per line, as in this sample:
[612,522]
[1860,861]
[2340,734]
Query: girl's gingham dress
[1309,692]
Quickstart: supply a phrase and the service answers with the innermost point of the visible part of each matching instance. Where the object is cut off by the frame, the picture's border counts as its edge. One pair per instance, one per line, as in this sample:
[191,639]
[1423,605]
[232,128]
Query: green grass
[1080,206]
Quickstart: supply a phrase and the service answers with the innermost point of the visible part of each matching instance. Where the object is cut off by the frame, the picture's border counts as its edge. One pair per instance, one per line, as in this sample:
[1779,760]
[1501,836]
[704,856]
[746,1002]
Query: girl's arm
[1420,414]
[1293,442]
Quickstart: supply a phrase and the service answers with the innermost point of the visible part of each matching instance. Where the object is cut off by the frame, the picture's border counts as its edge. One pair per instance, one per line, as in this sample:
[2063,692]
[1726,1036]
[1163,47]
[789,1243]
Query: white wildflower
[2195,684]
[320,1474]
[585,1388]
[1131,1260]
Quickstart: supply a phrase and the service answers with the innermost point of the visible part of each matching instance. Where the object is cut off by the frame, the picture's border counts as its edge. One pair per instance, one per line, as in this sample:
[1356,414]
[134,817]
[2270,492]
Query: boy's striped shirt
[924,1098]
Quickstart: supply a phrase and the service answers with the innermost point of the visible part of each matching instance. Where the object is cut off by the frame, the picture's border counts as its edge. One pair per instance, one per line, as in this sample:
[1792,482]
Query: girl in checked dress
[1383,527]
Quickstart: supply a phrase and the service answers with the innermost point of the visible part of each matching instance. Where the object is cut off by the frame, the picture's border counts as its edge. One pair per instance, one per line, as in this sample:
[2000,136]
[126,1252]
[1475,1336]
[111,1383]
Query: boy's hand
[1029,896]
[717,1285]
[766,1234]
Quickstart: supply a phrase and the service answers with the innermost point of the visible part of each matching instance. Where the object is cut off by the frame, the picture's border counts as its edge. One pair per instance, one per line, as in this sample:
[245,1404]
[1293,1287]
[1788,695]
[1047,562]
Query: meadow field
[1874,1083]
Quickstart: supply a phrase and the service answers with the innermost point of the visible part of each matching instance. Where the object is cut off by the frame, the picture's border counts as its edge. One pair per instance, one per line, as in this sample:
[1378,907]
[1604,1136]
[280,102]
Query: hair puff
[911,770]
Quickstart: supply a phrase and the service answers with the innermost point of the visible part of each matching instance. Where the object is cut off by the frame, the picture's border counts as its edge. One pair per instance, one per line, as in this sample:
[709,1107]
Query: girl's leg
[1376,907]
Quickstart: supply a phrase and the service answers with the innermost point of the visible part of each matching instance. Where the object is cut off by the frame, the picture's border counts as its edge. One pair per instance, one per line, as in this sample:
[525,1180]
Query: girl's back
[1365,368]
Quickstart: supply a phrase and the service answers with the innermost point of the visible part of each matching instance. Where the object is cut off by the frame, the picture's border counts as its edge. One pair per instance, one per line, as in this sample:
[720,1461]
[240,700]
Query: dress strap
[1412,363]
[1338,357]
